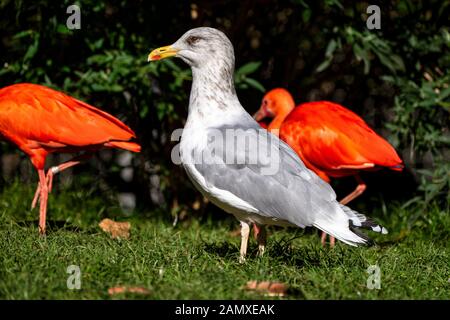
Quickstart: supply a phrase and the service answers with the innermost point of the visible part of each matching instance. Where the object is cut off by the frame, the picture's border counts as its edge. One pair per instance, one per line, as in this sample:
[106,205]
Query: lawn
[198,258]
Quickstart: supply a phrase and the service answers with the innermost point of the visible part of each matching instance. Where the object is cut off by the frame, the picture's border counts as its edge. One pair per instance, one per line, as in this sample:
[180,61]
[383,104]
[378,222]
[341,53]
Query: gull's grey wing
[290,192]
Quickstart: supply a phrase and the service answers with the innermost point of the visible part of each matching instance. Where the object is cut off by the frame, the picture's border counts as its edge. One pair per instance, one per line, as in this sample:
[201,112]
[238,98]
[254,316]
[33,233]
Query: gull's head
[198,47]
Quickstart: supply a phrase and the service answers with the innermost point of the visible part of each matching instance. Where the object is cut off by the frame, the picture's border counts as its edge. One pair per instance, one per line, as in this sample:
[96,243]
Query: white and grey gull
[261,181]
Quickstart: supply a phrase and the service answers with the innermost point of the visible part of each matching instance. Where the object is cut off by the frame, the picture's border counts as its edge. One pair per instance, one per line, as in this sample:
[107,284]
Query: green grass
[198,259]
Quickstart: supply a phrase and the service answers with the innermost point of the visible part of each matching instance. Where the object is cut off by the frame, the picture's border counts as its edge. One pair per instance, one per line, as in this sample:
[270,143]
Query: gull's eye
[192,40]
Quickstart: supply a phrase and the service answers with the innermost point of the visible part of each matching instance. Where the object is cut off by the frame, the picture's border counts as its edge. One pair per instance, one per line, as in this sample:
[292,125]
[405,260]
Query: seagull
[242,168]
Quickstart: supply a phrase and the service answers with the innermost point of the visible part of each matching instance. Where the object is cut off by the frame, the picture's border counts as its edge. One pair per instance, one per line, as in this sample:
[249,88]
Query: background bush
[396,78]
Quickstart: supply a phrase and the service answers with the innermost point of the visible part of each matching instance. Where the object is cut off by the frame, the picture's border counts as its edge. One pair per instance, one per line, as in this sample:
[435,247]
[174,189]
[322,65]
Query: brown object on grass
[267,287]
[124,289]
[116,229]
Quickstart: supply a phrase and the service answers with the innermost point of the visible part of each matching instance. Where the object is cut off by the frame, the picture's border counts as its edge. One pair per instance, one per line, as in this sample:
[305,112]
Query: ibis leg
[54,170]
[36,196]
[43,201]
[360,188]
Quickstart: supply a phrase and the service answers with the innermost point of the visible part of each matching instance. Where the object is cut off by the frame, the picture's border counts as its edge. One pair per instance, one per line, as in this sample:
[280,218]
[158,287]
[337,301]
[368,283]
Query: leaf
[392,61]
[398,62]
[329,54]
[32,49]
[331,47]
[303,3]
[325,64]
[306,15]
[98,87]
[96,44]
[444,94]
[255,84]
[116,229]
[171,65]
[22,34]
[62,29]
[248,68]
[331,3]
[362,54]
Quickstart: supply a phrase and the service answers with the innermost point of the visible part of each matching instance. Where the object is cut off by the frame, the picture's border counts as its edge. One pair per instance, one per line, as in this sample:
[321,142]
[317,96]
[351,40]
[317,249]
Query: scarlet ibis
[40,121]
[331,140]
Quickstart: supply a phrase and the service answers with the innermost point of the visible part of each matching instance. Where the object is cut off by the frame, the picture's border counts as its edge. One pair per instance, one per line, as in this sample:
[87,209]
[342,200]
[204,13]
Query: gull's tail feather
[359,220]
[344,223]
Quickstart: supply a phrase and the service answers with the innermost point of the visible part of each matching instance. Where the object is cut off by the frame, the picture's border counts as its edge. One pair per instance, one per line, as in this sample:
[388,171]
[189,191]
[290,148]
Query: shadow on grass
[224,249]
[278,250]
[283,252]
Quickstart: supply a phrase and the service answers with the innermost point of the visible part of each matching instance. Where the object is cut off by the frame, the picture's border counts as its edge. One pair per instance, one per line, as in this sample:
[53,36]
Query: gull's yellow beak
[162,53]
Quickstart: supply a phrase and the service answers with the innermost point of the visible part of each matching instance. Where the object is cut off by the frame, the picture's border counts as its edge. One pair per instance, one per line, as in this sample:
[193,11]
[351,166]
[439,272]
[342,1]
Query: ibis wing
[333,137]
[40,114]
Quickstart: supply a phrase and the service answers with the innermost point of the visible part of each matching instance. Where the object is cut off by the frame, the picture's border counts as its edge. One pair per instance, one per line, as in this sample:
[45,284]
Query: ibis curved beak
[260,114]
[162,53]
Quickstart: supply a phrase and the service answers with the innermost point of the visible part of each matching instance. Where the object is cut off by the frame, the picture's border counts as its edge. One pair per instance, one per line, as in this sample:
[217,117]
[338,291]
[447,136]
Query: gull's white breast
[193,141]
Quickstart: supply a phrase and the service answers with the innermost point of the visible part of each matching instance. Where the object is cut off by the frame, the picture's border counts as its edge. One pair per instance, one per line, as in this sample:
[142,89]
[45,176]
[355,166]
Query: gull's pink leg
[332,241]
[245,231]
[43,201]
[261,238]
[360,188]
[256,230]
[323,238]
